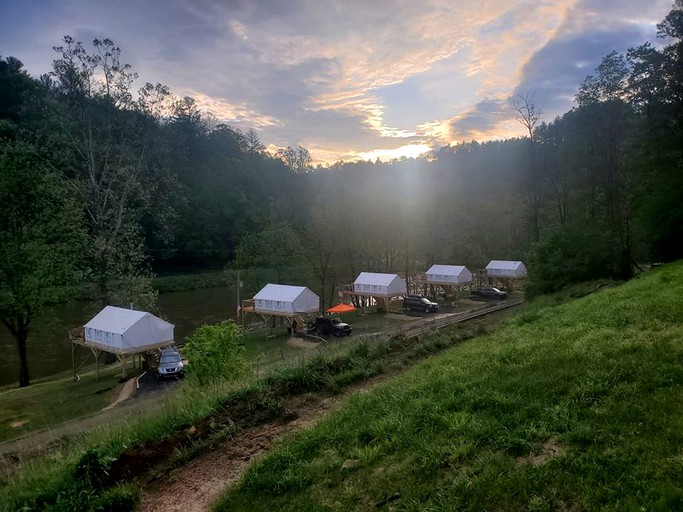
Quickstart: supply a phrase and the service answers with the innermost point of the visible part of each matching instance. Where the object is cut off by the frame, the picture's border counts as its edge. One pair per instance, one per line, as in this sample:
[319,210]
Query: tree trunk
[22,335]
[18,327]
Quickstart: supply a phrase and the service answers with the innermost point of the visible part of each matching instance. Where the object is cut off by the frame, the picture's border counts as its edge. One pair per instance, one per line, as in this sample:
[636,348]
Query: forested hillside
[105,179]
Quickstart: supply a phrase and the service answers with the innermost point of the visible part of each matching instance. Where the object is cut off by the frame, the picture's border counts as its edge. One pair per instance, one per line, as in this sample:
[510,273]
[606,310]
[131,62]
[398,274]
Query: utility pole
[240,313]
[239,285]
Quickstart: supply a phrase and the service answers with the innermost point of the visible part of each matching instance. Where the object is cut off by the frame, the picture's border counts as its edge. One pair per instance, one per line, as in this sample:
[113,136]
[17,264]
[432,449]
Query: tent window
[269,303]
[278,304]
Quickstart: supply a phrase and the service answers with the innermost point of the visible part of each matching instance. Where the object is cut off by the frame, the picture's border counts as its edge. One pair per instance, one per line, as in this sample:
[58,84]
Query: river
[49,349]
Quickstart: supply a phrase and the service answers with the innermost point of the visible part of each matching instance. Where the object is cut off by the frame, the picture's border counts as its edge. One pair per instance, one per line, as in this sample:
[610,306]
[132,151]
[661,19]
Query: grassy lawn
[50,402]
[273,350]
[569,407]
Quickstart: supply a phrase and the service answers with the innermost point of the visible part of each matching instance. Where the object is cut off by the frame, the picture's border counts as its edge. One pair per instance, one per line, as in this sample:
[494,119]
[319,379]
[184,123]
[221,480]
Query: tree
[42,239]
[607,119]
[298,160]
[277,247]
[656,92]
[321,238]
[111,146]
[528,114]
[251,143]
[214,353]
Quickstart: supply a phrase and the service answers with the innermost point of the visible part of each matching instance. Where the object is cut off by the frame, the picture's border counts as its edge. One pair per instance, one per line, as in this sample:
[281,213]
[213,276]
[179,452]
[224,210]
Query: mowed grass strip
[572,407]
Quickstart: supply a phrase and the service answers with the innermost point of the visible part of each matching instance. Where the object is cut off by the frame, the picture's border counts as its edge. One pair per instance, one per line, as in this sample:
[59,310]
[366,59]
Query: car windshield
[336,321]
[495,290]
[170,358]
[425,301]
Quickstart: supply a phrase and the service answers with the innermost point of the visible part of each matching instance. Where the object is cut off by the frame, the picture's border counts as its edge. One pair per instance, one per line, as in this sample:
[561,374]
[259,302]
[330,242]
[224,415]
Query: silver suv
[170,363]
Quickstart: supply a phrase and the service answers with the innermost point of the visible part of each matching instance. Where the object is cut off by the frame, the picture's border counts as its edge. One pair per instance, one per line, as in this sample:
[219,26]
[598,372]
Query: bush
[214,353]
[573,254]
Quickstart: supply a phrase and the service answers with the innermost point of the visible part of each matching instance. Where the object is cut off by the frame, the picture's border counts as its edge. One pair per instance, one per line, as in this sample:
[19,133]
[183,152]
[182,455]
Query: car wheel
[427,310]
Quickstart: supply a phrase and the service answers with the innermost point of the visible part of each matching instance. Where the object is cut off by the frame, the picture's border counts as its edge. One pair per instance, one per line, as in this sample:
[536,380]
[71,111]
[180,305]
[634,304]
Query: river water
[49,349]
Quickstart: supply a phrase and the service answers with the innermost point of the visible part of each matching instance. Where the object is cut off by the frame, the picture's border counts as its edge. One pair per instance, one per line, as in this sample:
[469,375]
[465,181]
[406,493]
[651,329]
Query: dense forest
[105,182]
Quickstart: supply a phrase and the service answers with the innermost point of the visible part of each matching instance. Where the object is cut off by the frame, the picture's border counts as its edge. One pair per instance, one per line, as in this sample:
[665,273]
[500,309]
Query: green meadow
[575,406]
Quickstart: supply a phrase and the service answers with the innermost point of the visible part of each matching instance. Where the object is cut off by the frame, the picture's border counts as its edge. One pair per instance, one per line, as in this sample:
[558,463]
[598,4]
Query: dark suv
[420,303]
[329,325]
[488,293]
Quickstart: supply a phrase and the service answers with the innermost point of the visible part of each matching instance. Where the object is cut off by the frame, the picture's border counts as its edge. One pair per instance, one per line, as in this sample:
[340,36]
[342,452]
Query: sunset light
[347,80]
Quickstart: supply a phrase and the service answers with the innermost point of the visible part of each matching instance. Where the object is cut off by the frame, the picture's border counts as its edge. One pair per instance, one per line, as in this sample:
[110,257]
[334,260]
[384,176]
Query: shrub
[214,353]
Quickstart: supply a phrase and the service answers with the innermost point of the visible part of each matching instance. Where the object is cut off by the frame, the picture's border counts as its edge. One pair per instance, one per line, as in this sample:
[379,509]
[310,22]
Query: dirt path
[196,486]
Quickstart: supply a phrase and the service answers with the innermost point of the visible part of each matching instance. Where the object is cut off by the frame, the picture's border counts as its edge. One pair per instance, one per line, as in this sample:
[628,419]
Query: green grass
[569,407]
[47,403]
[76,475]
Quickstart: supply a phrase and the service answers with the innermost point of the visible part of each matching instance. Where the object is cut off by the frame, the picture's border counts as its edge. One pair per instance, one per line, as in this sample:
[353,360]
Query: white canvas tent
[122,332]
[126,331]
[448,275]
[379,285]
[286,300]
[509,269]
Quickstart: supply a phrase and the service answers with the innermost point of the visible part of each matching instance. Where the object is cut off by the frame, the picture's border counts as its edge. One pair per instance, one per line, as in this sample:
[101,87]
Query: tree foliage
[41,241]
[214,353]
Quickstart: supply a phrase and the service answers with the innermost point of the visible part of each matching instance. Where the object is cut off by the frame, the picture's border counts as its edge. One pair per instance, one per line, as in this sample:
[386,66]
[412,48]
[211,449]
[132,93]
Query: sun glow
[385,155]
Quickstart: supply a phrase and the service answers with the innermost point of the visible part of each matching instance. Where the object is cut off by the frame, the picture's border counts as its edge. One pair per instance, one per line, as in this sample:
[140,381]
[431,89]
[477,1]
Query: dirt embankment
[196,485]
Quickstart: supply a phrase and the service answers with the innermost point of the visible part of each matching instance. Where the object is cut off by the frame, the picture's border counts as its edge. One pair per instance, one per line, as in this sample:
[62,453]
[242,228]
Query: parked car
[419,303]
[488,293]
[329,325]
[170,364]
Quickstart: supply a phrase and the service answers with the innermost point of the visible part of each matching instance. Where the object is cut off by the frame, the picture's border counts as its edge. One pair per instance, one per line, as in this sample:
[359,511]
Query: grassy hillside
[572,407]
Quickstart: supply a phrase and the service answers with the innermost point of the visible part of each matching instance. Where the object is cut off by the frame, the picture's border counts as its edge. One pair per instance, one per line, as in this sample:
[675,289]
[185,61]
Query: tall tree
[251,143]
[528,115]
[656,88]
[111,149]
[607,120]
[299,159]
[42,240]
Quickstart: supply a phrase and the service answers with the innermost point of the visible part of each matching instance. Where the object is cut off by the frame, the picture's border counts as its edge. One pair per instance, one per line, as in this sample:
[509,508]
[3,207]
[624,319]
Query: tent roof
[504,265]
[375,278]
[341,308]
[446,270]
[281,292]
[117,320]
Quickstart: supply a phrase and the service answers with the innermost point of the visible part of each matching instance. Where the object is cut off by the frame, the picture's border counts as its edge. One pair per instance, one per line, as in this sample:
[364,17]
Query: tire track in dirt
[196,486]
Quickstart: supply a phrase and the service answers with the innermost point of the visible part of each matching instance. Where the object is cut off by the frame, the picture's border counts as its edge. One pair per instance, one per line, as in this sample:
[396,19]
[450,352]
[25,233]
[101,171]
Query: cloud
[345,78]
[592,29]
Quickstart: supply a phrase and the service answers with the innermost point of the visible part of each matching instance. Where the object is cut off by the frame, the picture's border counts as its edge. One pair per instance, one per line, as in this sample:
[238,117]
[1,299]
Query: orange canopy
[341,308]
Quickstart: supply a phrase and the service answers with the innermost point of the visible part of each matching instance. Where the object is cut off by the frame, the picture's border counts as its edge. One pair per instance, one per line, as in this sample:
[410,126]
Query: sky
[349,79]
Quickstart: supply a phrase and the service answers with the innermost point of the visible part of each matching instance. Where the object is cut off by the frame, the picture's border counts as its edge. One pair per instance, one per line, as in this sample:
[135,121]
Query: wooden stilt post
[96,353]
